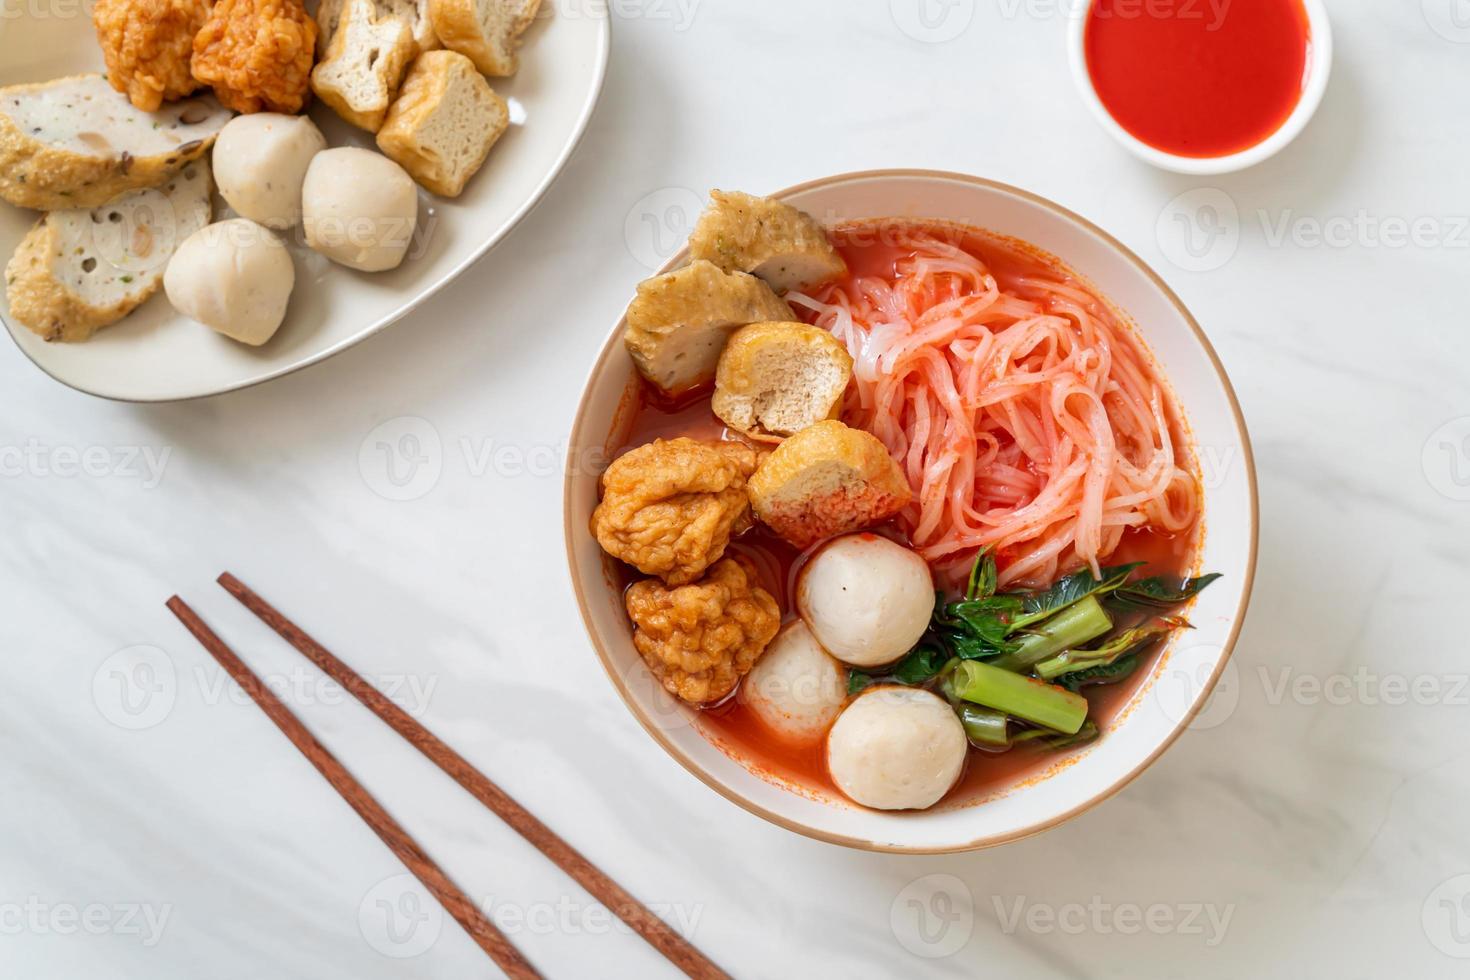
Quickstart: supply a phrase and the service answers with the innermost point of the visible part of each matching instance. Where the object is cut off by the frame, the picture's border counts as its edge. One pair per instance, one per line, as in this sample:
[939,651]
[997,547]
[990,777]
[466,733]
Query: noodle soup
[901,513]
[978,294]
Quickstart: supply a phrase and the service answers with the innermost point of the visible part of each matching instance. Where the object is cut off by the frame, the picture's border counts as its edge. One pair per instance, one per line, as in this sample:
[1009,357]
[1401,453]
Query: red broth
[731,725]
[1198,78]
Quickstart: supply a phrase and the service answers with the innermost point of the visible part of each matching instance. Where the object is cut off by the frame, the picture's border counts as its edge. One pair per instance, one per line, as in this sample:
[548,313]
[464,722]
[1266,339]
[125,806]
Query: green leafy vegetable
[1053,740]
[1111,673]
[1129,641]
[920,665]
[990,618]
[1012,664]
[1157,593]
[983,576]
[968,647]
[1037,606]
[1079,623]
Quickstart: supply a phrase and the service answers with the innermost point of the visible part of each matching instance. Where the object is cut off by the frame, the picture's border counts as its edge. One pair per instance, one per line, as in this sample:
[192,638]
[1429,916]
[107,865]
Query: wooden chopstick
[481,930]
[679,951]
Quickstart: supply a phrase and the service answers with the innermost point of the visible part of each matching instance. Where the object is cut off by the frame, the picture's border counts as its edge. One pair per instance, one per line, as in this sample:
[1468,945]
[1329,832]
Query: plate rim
[574,140]
[577,434]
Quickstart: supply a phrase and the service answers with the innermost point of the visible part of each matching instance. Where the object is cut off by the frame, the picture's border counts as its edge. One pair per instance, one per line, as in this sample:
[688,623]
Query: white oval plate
[1183,678]
[156,355]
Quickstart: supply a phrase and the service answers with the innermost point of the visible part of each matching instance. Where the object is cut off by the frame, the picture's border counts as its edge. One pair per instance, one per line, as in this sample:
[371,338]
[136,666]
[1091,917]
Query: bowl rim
[571,527]
[1319,71]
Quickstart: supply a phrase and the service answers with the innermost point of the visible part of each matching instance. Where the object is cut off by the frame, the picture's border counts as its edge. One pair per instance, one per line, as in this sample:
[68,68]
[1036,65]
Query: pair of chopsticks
[681,953]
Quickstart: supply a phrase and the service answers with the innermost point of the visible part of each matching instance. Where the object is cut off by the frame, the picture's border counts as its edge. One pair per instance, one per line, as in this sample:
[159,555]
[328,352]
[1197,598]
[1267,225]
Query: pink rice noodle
[1026,420]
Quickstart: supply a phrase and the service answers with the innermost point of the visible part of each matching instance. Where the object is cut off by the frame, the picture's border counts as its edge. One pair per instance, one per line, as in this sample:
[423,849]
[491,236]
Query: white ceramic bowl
[1184,675]
[1319,69]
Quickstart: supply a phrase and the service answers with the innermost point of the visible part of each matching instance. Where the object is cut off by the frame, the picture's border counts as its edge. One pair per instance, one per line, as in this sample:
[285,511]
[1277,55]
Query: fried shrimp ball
[147,45]
[257,54]
[669,508]
[700,639]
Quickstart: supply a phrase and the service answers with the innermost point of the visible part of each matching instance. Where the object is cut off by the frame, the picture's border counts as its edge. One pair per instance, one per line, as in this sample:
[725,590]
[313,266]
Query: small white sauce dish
[1319,69]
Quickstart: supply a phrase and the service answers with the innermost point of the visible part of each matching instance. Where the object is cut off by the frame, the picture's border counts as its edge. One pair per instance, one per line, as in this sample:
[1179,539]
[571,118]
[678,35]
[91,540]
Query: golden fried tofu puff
[700,639]
[826,480]
[775,379]
[776,242]
[669,508]
[679,322]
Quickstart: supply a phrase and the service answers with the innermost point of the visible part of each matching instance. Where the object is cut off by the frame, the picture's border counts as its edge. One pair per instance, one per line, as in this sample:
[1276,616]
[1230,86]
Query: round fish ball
[359,208]
[866,599]
[896,748]
[260,163]
[795,688]
[233,276]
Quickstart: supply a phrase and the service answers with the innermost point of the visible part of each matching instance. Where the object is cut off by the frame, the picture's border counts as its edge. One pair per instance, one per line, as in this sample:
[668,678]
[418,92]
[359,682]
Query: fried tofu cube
[776,242]
[827,480]
[679,322]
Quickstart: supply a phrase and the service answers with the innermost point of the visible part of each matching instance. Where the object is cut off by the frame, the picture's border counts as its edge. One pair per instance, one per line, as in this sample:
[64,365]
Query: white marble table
[154,825]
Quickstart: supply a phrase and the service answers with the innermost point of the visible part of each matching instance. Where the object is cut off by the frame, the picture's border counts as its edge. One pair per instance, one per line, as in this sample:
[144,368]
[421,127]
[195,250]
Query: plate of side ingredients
[199,197]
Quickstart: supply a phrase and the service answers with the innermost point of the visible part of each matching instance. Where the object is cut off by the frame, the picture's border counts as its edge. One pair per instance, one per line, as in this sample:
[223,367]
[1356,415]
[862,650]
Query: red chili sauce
[1198,78]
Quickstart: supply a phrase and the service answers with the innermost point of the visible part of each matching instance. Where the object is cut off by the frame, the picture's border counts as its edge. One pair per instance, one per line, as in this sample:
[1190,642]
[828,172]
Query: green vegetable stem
[1079,623]
[1024,697]
[985,728]
[1129,641]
